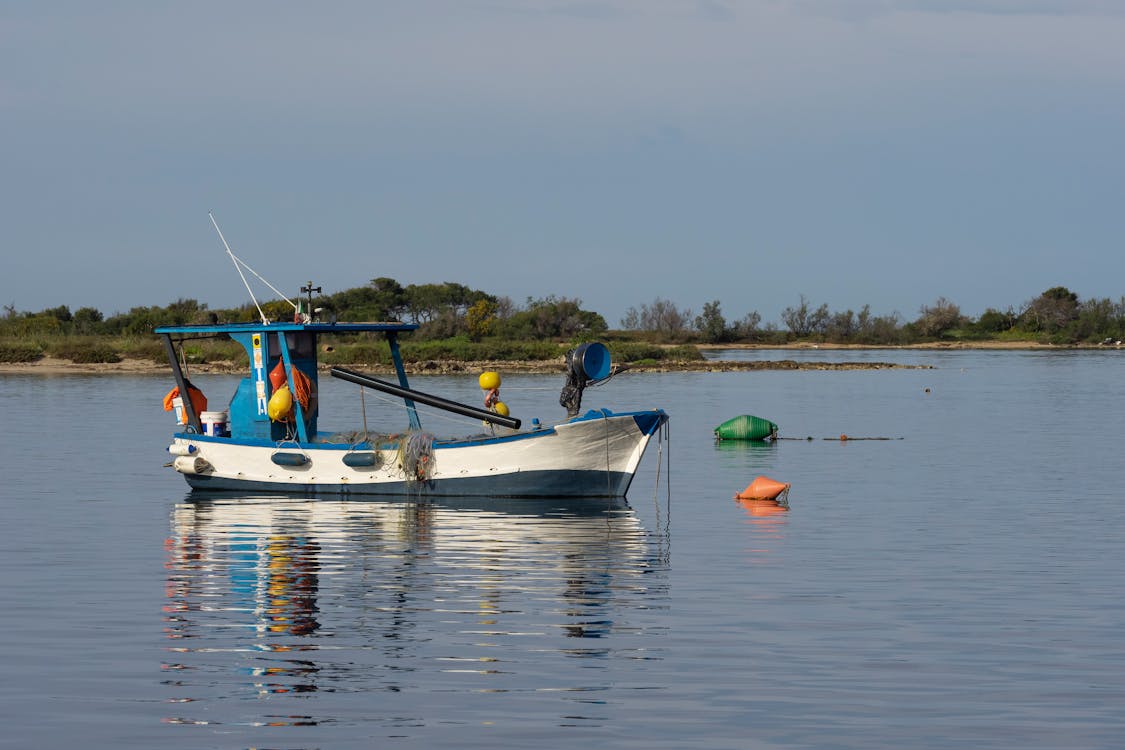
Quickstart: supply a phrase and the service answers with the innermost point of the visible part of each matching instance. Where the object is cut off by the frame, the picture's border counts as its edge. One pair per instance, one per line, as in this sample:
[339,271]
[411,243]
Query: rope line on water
[839,439]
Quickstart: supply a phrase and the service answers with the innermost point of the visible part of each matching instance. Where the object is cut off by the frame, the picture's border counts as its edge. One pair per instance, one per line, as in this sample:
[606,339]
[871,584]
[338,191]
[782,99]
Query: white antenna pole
[277,291]
[239,269]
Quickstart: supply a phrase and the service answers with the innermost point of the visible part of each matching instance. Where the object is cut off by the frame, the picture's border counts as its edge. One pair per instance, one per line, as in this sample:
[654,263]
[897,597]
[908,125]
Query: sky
[851,152]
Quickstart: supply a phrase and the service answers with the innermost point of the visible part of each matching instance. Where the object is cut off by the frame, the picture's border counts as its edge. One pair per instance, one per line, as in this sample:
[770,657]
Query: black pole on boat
[182,384]
[424,398]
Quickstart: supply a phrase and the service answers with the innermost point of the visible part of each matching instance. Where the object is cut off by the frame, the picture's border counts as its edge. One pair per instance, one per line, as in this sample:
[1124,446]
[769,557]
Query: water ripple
[273,599]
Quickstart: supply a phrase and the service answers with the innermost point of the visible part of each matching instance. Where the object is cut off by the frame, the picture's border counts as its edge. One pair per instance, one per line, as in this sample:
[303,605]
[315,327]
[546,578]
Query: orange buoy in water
[763,488]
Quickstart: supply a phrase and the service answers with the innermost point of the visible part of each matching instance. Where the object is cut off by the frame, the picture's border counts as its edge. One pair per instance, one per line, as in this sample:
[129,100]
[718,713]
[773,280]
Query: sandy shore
[145,367]
[51,366]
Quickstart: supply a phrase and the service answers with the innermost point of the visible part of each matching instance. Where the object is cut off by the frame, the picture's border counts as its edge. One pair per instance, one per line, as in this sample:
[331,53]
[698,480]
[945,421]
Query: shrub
[85,352]
[500,349]
[637,353]
[357,354]
[146,347]
[19,351]
[461,349]
[685,353]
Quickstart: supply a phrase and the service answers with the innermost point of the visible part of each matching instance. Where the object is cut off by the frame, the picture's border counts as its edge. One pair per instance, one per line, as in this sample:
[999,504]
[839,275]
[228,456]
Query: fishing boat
[270,437]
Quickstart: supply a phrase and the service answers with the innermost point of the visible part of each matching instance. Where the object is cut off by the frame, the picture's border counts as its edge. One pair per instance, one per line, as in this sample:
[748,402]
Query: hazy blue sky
[882,152]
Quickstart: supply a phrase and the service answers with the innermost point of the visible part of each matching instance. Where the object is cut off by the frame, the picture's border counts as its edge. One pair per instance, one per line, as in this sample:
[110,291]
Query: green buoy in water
[746,427]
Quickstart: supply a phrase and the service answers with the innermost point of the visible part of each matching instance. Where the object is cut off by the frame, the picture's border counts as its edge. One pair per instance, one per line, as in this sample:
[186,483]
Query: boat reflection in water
[271,596]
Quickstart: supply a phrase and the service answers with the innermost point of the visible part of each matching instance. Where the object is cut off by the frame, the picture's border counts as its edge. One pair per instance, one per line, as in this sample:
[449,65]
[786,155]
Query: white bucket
[214,423]
[178,403]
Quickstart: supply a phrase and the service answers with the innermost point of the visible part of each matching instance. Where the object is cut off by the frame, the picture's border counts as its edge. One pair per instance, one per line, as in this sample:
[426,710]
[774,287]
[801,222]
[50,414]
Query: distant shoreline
[54,366]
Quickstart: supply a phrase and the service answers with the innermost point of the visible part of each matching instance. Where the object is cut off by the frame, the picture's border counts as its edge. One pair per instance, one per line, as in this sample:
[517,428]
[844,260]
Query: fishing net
[416,455]
[359,438]
[571,396]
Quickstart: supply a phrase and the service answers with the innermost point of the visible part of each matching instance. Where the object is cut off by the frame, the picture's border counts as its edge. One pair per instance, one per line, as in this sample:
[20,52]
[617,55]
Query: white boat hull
[595,455]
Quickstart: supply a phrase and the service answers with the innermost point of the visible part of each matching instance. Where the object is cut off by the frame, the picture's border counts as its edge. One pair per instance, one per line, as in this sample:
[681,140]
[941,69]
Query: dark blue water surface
[959,585]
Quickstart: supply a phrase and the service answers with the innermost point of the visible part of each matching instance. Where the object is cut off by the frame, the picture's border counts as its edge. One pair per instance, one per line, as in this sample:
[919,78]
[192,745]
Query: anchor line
[841,438]
[665,529]
[608,480]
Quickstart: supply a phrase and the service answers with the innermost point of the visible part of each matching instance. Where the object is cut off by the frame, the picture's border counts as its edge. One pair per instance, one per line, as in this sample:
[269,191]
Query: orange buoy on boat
[278,377]
[763,488]
[198,402]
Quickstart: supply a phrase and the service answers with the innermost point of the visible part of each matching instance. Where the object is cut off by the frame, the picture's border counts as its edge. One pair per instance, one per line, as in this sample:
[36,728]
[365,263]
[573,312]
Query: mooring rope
[841,438]
[665,528]
[608,481]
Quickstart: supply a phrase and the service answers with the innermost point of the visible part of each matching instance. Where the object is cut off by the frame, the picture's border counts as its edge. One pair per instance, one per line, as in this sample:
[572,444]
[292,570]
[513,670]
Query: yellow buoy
[489,380]
[281,403]
[501,408]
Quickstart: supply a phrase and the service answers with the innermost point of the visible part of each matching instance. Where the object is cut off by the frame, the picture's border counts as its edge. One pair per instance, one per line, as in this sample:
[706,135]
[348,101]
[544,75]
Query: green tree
[425,302]
[884,330]
[994,321]
[632,320]
[480,319]
[34,325]
[552,318]
[711,324]
[662,316]
[87,320]
[841,327]
[746,327]
[938,318]
[381,299]
[1051,311]
[60,313]
[803,322]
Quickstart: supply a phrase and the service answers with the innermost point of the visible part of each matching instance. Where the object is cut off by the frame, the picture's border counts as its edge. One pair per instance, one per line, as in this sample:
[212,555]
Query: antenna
[238,268]
[308,290]
[239,264]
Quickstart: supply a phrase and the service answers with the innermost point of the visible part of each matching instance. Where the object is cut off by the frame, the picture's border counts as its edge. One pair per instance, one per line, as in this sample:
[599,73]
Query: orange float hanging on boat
[277,375]
[198,402]
[302,390]
[763,488]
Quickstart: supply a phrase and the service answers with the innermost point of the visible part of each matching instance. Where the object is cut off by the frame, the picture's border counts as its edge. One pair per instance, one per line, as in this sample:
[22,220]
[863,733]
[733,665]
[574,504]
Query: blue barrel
[594,358]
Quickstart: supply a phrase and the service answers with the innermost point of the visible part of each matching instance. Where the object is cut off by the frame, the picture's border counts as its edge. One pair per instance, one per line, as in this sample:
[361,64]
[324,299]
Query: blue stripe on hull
[528,484]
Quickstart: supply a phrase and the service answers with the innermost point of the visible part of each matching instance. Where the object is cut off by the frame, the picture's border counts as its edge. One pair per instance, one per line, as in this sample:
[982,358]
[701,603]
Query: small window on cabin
[300,345]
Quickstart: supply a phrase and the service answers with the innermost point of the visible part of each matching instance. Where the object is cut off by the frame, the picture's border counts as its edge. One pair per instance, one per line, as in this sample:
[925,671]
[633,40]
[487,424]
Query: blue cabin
[267,344]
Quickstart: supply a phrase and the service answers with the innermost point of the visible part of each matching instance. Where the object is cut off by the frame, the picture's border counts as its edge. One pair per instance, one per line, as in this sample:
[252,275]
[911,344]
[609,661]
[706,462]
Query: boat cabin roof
[316,328]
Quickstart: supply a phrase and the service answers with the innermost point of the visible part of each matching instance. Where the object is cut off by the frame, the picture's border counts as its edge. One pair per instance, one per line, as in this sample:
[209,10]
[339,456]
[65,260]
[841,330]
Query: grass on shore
[334,351]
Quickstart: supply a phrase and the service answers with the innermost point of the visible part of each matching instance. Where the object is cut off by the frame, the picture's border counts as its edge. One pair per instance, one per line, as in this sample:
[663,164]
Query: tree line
[1057,316]
[441,311]
[451,310]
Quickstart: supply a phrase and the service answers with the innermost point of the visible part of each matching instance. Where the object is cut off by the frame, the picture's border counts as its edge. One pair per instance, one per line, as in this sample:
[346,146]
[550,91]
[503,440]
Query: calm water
[956,586]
